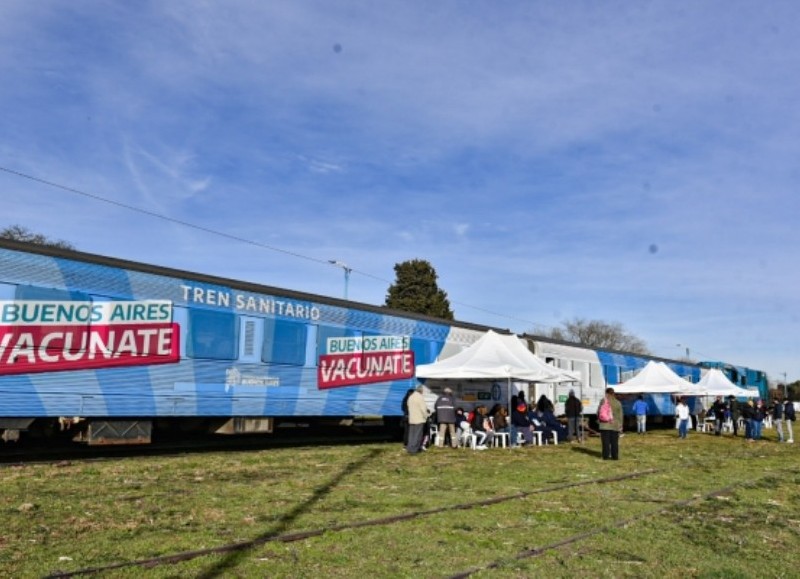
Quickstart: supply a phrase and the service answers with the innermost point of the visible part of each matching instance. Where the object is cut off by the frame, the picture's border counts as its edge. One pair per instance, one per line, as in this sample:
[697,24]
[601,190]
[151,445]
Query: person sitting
[461,419]
[520,423]
[552,426]
[544,404]
[499,416]
[479,425]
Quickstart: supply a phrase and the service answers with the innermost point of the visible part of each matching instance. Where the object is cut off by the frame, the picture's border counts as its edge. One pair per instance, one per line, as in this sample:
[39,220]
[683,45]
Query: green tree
[19,233]
[599,334]
[415,290]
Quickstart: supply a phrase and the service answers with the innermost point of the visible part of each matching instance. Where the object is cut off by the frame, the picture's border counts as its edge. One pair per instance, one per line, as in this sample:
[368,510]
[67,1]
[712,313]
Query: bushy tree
[19,233]
[415,290]
[599,334]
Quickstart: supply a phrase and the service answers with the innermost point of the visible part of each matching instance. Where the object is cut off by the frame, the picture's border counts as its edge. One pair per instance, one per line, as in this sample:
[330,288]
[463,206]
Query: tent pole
[508,379]
[580,418]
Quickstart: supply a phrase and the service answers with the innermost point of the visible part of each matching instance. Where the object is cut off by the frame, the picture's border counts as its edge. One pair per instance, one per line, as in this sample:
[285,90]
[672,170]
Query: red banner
[337,370]
[51,348]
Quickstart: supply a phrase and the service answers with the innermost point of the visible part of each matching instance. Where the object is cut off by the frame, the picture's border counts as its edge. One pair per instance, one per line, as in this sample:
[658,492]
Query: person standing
[777,419]
[759,414]
[640,410]
[404,407]
[718,408]
[788,418]
[682,410]
[417,417]
[573,408]
[733,408]
[445,409]
[748,412]
[609,415]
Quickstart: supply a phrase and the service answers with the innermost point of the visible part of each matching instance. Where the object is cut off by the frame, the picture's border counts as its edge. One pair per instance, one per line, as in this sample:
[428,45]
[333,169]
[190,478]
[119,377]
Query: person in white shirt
[682,411]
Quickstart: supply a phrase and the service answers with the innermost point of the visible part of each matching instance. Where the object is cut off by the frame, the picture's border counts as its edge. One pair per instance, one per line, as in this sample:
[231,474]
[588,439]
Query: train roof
[58,252]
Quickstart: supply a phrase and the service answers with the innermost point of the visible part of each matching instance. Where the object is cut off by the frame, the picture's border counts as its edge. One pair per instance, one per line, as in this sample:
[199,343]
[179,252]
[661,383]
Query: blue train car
[743,376]
[105,349]
[115,345]
[599,369]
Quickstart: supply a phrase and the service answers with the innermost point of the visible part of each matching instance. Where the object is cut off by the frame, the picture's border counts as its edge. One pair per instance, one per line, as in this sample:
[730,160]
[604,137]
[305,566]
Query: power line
[226,235]
[159,215]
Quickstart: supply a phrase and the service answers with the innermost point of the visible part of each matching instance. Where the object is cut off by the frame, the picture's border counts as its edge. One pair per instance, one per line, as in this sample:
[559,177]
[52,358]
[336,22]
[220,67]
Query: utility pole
[347,271]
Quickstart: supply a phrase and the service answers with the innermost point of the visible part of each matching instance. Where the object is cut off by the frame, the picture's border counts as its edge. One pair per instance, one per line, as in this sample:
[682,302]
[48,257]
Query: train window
[284,342]
[596,376]
[249,337]
[212,335]
[613,374]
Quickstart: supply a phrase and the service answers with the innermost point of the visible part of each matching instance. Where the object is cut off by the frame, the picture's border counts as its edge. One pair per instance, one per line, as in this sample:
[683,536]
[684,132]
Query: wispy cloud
[632,161]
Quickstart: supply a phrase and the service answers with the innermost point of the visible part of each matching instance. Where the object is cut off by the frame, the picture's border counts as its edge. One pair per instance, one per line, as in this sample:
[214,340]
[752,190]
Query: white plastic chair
[501,439]
[467,438]
[433,434]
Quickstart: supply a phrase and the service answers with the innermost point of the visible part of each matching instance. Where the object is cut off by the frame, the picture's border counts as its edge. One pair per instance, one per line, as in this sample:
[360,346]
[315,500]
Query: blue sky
[632,162]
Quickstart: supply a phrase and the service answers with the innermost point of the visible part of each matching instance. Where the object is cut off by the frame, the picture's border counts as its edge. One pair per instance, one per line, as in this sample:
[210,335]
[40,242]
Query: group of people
[454,426]
[752,414]
[453,423]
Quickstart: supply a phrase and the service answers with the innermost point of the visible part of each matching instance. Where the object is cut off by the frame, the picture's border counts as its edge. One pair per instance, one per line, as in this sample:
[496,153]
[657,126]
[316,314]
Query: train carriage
[105,348]
[118,344]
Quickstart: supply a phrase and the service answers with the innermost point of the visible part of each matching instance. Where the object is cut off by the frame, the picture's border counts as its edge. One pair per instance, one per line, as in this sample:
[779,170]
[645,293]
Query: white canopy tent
[493,357]
[654,378]
[716,383]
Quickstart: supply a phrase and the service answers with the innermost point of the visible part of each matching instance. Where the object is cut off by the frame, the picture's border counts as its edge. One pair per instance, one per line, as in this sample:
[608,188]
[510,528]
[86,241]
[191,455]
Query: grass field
[704,507]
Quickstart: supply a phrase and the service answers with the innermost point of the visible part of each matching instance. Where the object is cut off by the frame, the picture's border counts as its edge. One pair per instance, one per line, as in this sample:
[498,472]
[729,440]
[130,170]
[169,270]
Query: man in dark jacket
[733,406]
[573,409]
[445,409]
[777,419]
[748,415]
[718,408]
[788,418]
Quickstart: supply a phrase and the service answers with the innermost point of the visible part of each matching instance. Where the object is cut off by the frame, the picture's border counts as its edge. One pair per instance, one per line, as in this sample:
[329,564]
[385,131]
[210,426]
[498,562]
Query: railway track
[50,453]
[304,535]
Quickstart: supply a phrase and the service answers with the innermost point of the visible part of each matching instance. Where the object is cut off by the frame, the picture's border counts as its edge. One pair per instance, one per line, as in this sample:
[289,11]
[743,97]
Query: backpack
[605,414]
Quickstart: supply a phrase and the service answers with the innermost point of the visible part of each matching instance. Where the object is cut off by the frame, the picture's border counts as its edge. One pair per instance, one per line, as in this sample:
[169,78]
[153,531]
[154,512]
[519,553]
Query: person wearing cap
[417,417]
[445,409]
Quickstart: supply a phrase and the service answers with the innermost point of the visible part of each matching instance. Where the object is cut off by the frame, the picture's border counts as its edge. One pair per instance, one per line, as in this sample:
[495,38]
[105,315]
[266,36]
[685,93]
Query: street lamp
[347,271]
[785,387]
[687,350]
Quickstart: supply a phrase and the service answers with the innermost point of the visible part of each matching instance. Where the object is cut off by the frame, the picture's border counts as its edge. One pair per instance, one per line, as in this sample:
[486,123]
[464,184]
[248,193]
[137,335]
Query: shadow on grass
[589,451]
[230,561]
